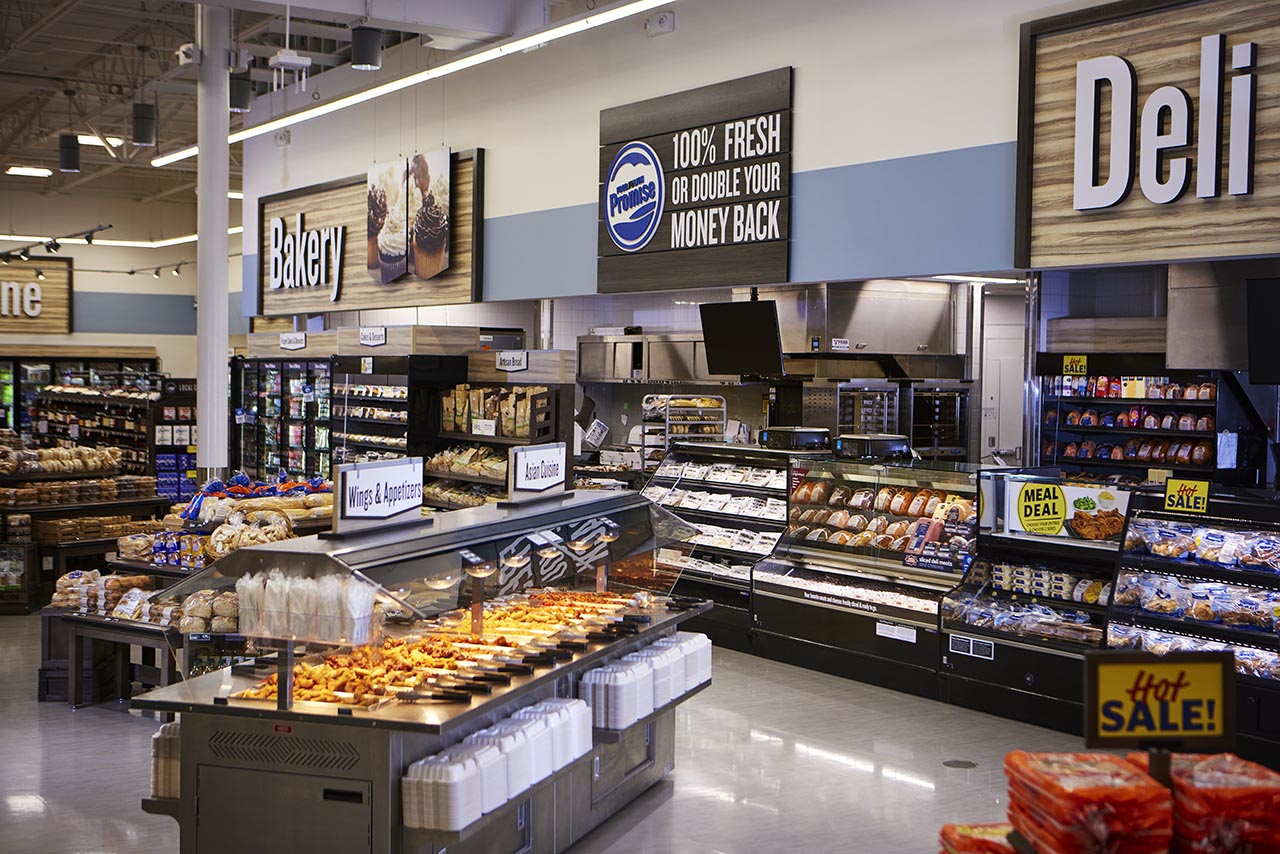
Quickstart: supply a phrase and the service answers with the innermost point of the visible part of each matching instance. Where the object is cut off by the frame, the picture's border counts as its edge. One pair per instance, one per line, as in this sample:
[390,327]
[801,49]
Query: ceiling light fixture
[144,124]
[53,246]
[85,238]
[29,171]
[40,274]
[177,270]
[559,31]
[366,48]
[68,153]
[155,274]
[24,255]
[5,258]
[989,280]
[94,139]
[235,194]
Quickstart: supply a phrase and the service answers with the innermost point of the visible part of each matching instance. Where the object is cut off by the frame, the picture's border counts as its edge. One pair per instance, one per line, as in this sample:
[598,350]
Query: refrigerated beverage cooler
[22,378]
[280,417]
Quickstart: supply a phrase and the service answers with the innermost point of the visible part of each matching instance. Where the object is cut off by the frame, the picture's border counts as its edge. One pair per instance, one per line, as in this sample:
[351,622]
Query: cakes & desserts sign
[695,187]
[419,244]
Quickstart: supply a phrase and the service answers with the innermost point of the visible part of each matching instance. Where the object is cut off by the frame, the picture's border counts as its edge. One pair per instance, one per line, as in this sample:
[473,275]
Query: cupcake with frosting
[393,248]
[377,208]
[430,238]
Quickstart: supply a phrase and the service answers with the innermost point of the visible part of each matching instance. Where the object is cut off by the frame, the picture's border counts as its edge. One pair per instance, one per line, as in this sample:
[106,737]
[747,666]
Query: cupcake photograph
[377,216]
[429,202]
[390,180]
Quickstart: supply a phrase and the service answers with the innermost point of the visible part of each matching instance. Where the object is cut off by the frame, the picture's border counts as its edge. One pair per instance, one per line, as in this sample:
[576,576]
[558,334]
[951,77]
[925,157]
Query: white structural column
[213,26]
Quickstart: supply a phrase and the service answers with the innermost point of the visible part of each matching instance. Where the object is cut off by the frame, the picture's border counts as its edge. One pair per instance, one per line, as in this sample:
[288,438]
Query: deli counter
[484,619]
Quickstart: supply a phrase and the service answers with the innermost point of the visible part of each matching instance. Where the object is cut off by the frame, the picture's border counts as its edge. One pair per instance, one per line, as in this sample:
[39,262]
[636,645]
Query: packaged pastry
[1164,598]
[199,605]
[131,604]
[1088,591]
[1251,609]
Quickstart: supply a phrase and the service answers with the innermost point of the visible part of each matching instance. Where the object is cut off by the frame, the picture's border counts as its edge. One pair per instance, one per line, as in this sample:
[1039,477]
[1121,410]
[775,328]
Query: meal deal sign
[1181,700]
[695,187]
[1063,510]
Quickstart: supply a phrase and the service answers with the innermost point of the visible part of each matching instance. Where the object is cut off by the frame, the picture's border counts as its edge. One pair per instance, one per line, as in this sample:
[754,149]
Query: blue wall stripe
[250,270]
[159,314]
[950,211]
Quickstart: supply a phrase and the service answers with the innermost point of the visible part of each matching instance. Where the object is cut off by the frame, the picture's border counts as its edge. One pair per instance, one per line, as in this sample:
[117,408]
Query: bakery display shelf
[441,504]
[1257,639]
[466,477]
[146,567]
[337,396]
[114,503]
[1134,464]
[729,517]
[121,623]
[1132,401]
[383,422]
[171,807]
[1130,431]
[1048,601]
[602,735]
[712,485]
[1038,643]
[1196,571]
[41,477]
[486,440]
[1060,548]
[371,445]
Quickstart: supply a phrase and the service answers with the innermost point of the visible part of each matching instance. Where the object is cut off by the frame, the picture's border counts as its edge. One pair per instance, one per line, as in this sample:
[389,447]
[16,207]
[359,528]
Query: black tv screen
[742,338]
[1262,303]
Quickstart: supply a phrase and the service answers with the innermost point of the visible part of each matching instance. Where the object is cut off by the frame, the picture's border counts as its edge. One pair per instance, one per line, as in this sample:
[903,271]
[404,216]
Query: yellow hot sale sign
[1186,496]
[1155,701]
[1075,366]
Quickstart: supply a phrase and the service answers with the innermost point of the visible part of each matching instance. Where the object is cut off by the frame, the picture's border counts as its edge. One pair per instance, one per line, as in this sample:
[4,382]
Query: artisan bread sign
[539,467]
[695,187]
[1182,700]
[380,490]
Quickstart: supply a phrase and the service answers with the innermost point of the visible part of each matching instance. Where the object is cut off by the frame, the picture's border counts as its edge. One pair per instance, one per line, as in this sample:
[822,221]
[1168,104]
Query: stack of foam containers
[667,664]
[696,650]
[493,772]
[568,725]
[619,694]
[514,744]
[166,769]
[537,735]
[442,792]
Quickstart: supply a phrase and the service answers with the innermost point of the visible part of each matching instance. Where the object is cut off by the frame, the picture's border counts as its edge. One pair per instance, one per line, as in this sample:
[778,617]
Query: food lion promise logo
[634,196]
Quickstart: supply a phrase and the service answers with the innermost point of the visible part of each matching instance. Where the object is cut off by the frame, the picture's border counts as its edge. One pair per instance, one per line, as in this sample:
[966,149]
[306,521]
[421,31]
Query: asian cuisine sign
[1064,510]
[695,187]
[1181,700]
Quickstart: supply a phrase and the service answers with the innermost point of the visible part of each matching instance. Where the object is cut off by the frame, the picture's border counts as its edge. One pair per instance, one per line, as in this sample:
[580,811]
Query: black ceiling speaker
[68,153]
[144,124]
[241,92]
[366,48]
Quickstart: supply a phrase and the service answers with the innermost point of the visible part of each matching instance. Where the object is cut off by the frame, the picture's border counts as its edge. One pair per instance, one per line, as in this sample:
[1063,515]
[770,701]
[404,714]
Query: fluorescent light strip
[989,280]
[106,241]
[29,171]
[90,139]
[235,194]
[517,45]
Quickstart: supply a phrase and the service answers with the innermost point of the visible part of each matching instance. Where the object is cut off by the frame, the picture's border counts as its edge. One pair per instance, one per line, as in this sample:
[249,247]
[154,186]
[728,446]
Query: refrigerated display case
[736,496]
[281,416]
[22,377]
[855,584]
[339,762]
[1017,627]
[1208,581]
[1126,414]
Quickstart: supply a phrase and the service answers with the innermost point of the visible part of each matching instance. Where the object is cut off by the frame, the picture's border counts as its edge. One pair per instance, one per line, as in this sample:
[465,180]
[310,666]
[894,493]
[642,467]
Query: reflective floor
[770,758]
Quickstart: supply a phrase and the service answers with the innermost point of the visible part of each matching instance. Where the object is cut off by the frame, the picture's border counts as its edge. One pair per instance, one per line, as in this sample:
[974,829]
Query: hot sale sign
[1183,700]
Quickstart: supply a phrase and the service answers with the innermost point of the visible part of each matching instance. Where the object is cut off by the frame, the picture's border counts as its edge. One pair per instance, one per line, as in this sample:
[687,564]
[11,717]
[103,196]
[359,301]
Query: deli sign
[1147,134]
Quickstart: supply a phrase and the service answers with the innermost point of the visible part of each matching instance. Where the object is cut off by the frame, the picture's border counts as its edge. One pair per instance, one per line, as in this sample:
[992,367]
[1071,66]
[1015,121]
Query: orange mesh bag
[976,838]
[1223,804]
[1087,803]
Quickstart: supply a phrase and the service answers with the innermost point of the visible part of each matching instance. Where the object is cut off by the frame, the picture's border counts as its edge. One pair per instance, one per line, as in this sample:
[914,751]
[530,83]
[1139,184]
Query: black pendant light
[68,153]
[144,124]
[366,48]
[241,92]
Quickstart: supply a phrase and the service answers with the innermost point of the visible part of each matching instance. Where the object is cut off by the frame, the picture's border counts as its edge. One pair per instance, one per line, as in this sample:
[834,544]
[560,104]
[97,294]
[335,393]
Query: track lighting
[24,255]
[53,246]
[156,273]
[5,259]
[88,238]
[177,270]
[40,274]
[366,48]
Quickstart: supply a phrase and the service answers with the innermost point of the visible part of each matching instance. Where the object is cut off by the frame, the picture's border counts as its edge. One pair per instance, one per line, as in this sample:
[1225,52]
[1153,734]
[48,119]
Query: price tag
[308,394]
[366,364]
[484,427]
[74,431]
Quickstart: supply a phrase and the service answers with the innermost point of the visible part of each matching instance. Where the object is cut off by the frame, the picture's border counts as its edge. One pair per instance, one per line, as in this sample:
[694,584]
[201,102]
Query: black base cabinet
[728,623]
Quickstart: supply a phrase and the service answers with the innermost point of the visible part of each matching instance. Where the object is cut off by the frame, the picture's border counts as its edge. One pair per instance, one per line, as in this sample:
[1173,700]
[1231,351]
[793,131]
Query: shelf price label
[1186,496]
[1181,700]
[1075,366]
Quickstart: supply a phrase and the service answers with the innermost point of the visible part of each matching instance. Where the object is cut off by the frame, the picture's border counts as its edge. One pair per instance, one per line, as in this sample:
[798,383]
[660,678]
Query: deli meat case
[506,612]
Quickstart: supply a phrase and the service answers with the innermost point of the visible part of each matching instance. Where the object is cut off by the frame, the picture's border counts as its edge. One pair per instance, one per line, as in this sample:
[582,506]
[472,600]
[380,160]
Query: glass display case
[481,614]
[281,417]
[1208,581]
[1018,625]
[859,573]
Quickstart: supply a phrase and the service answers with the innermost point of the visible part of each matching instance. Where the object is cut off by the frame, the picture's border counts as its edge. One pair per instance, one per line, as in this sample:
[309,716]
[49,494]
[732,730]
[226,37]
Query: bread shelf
[1100,430]
[463,476]
[1130,401]
[486,440]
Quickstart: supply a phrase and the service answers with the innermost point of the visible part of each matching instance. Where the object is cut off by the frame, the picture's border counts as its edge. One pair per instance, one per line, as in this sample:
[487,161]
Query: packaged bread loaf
[226,604]
[189,625]
[199,604]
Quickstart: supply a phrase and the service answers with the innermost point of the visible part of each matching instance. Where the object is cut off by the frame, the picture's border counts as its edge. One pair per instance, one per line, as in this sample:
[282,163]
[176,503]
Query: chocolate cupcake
[430,238]
[377,216]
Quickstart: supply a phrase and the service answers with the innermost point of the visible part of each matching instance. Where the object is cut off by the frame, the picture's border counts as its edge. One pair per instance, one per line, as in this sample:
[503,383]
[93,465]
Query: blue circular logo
[634,194]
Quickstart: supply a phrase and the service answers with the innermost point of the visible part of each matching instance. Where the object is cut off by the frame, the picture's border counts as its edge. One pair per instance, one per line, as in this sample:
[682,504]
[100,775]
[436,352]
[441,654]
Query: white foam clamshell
[696,649]
[493,772]
[578,727]
[559,722]
[442,792]
[644,685]
[610,691]
[537,736]
[166,767]
[515,746]
[663,661]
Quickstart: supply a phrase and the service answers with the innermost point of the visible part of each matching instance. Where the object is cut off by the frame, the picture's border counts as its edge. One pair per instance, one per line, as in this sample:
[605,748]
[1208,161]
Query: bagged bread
[224,625]
[226,604]
[189,625]
[131,605]
[199,604]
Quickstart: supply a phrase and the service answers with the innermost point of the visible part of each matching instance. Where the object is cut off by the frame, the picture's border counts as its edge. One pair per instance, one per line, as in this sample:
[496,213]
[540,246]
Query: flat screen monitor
[742,338]
[1262,305]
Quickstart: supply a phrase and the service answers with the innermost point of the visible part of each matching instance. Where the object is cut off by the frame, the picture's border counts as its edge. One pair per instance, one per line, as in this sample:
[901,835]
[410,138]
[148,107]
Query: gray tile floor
[770,758]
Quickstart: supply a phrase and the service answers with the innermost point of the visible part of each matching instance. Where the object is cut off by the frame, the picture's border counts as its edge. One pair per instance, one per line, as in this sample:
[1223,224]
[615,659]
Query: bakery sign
[36,296]
[1144,137]
[695,187]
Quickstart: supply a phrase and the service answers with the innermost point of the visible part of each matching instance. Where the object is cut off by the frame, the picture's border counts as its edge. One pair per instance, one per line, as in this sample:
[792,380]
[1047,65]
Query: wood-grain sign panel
[339,209]
[1150,132]
[30,304]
